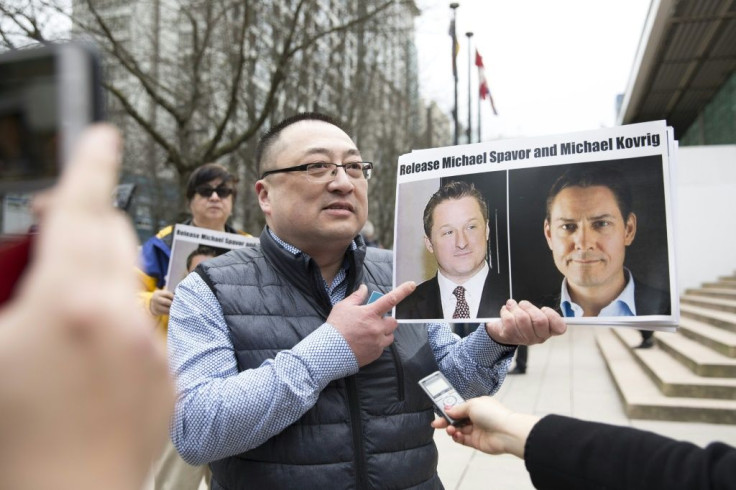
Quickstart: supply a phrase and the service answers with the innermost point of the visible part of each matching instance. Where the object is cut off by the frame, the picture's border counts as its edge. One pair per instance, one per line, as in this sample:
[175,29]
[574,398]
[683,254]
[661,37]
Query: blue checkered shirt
[221,412]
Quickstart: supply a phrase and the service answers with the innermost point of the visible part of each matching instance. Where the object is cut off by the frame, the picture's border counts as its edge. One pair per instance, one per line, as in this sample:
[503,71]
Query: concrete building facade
[685,73]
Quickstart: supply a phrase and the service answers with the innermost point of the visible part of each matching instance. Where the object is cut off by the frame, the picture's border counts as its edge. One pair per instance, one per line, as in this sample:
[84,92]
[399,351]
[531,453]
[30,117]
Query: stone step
[715,338]
[671,377]
[713,303]
[724,293]
[700,359]
[721,319]
[643,400]
[724,284]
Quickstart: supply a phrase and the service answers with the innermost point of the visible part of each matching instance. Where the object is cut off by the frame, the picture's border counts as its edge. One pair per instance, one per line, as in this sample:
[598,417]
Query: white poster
[579,222]
[193,245]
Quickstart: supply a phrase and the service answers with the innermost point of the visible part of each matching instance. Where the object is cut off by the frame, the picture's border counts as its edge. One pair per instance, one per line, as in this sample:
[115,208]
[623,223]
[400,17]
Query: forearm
[222,411]
[475,365]
[515,430]
[231,414]
[567,453]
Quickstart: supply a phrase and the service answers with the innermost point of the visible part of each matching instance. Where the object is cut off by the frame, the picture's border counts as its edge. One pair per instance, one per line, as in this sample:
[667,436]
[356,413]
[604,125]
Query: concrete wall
[704,203]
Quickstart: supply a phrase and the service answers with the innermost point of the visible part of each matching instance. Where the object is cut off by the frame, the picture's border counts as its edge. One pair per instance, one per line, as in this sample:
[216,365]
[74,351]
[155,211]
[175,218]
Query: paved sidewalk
[567,376]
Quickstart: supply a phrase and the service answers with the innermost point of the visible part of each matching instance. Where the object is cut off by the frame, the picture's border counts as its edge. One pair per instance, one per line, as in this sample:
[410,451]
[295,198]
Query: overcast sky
[553,66]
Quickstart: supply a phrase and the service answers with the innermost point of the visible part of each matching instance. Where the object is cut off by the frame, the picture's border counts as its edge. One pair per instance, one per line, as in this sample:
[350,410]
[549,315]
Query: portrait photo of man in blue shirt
[588,227]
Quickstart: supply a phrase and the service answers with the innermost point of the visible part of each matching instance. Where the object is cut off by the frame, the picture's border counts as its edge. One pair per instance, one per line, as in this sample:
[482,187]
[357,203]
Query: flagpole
[479,137]
[470,90]
[453,33]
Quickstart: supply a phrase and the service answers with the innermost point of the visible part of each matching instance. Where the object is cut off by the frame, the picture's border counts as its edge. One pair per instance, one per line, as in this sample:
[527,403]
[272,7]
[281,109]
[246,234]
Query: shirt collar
[292,249]
[473,287]
[623,305]
[338,288]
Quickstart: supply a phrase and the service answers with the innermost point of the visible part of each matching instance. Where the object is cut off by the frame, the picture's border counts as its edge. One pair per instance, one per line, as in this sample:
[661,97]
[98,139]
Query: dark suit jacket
[647,299]
[651,301]
[425,302]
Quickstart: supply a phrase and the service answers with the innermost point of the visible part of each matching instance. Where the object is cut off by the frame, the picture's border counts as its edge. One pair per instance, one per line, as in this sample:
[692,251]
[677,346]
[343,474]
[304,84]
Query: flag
[483,89]
[455,48]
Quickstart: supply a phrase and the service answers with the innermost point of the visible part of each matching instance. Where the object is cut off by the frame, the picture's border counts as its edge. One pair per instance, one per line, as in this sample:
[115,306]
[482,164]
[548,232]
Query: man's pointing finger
[385,303]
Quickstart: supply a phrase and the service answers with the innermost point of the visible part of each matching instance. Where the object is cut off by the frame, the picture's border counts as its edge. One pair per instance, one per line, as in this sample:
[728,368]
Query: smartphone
[48,95]
[442,394]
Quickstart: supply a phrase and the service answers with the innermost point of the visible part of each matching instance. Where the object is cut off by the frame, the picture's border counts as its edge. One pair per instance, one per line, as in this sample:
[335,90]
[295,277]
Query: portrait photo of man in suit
[456,233]
[588,227]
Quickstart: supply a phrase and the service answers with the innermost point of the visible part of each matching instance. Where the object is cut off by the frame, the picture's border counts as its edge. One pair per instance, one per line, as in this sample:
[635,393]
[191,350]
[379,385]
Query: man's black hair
[590,176]
[268,139]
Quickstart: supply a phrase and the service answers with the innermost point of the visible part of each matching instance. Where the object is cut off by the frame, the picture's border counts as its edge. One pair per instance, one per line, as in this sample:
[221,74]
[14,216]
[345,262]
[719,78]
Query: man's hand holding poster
[580,222]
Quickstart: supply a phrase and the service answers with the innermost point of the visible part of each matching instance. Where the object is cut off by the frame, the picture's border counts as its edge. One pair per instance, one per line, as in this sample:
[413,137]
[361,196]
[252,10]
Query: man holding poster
[289,375]
[456,234]
[589,225]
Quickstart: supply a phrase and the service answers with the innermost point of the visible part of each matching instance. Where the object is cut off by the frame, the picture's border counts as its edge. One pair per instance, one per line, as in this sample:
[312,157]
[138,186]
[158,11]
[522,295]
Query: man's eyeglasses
[206,191]
[326,172]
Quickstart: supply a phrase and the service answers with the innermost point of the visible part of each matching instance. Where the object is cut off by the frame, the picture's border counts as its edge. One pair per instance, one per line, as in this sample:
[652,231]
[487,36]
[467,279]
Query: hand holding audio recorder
[442,393]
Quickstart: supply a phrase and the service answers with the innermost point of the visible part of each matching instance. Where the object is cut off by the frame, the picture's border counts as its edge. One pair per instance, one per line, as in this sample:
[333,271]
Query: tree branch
[234,90]
[277,77]
[198,50]
[173,154]
[16,17]
[127,60]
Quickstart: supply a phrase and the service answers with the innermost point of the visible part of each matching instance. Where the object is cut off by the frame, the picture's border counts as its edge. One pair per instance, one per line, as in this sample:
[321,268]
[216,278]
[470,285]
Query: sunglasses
[206,191]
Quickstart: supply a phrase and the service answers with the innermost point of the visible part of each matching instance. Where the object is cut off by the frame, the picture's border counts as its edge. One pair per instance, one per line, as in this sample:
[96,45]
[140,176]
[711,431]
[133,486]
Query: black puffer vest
[369,430]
